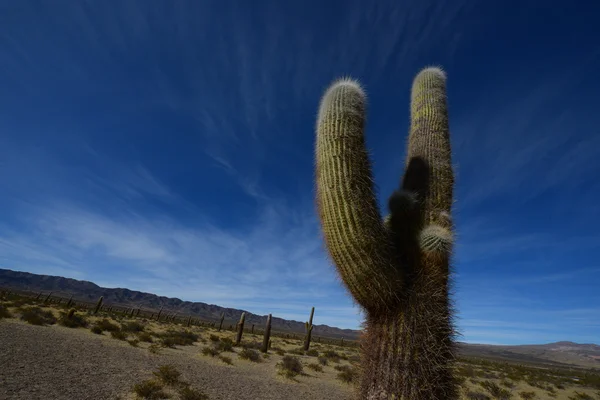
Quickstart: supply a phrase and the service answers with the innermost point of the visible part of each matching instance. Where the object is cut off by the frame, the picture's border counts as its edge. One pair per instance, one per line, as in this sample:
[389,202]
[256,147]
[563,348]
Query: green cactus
[396,269]
[47,298]
[308,326]
[266,344]
[98,305]
[240,329]
[70,313]
[189,321]
[69,302]
[158,315]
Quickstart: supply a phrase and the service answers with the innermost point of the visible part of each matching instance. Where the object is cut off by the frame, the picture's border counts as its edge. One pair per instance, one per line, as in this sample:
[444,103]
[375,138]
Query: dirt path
[54,362]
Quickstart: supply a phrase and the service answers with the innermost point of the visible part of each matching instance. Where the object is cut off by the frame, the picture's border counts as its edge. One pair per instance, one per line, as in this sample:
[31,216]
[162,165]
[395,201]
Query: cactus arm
[354,233]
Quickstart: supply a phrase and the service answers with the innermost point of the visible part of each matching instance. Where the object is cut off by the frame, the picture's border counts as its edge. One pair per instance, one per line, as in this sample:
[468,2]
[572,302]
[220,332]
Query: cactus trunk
[221,321]
[266,344]
[158,315]
[70,301]
[396,269]
[240,329]
[309,329]
[98,305]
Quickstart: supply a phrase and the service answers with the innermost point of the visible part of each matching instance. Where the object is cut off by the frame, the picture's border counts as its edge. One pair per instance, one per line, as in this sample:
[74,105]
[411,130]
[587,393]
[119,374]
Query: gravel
[54,362]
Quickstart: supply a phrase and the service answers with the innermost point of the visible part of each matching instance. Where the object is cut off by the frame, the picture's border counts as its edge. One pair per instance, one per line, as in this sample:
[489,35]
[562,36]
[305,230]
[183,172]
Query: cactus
[266,344]
[98,305]
[158,315]
[137,313]
[396,269]
[221,321]
[70,313]
[69,302]
[47,298]
[38,296]
[189,321]
[308,326]
[240,329]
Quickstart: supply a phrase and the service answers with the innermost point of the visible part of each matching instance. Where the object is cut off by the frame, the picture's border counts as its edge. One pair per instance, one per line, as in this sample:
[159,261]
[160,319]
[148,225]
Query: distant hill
[551,354]
[88,291]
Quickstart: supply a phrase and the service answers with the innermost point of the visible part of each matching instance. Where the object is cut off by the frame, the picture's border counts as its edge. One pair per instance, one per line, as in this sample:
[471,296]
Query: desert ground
[45,354]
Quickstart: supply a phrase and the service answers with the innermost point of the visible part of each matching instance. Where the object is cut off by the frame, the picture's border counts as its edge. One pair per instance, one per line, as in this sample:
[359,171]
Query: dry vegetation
[325,371]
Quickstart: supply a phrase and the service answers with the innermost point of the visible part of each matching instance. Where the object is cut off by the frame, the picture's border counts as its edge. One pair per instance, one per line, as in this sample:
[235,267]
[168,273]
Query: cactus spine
[240,329]
[266,344]
[221,321]
[98,305]
[308,326]
[396,269]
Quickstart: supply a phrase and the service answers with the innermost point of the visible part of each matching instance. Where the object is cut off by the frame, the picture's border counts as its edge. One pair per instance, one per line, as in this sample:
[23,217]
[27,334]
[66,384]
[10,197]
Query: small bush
[106,325]
[150,390]
[180,338]
[210,351]
[297,351]
[496,391]
[323,361]
[154,348]
[145,337]
[249,354]
[226,360]
[527,395]
[214,338]
[581,396]
[476,396]
[312,353]
[75,321]
[134,342]
[118,335]
[168,374]
[188,393]
[290,366]
[4,313]
[347,374]
[225,344]
[132,327]
[37,316]
[315,367]
[96,329]
[280,352]
[332,355]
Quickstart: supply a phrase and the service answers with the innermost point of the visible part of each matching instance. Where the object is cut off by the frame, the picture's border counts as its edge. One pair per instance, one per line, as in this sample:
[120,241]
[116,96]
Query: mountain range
[557,354]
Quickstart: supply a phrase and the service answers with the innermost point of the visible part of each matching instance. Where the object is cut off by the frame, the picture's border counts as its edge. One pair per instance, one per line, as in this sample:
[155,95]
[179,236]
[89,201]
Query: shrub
[118,335]
[332,355]
[132,327]
[347,374]
[188,393]
[150,389]
[168,374]
[4,313]
[290,366]
[477,396]
[496,391]
[297,351]
[315,367]
[249,354]
[323,360]
[145,337]
[133,342]
[225,344]
[210,351]
[96,329]
[580,396]
[214,338]
[154,348]
[106,325]
[37,316]
[527,395]
[181,338]
[280,352]
[226,360]
[75,321]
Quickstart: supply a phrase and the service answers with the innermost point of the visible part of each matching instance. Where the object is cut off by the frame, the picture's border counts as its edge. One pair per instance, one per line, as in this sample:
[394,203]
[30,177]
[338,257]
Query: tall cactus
[266,344]
[240,329]
[98,305]
[308,326]
[221,321]
[397,270]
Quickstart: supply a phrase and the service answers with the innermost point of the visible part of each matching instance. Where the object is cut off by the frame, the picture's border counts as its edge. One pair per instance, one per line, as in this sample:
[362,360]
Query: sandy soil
[54,362]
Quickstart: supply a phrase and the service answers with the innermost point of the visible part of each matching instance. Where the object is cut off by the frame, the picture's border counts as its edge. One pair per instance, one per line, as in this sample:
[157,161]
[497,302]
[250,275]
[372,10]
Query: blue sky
[168,147]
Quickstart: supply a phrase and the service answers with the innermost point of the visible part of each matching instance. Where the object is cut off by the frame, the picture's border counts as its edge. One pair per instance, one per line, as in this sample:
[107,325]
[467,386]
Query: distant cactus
[397,268]
[98,305]
[70,313]
[159,312]
[189,321]
[137,313]
[266,344]
[47,298]
[308,326]
[38,296]
[221,321]
[69,302]
[240,329]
